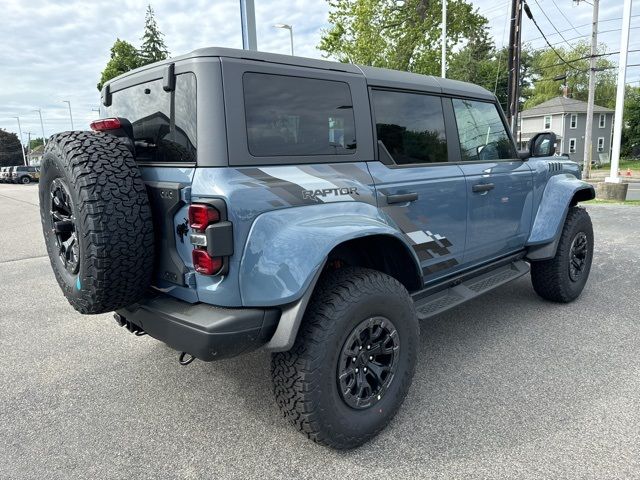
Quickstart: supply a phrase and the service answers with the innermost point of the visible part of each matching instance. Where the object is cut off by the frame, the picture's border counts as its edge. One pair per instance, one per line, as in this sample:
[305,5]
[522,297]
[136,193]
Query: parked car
[237,199]
[4,173]
[25,174]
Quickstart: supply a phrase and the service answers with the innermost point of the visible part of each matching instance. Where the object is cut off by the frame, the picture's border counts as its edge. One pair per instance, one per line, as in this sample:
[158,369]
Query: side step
[474,287]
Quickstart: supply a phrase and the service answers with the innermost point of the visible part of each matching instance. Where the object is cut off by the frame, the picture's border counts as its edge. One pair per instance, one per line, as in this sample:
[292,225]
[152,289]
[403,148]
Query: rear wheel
[25,180]
[96,221]
[353,361]
[563,277]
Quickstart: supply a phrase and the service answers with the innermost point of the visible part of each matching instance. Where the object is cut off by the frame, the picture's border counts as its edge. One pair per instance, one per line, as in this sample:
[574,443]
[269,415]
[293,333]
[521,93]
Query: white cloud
[55,50]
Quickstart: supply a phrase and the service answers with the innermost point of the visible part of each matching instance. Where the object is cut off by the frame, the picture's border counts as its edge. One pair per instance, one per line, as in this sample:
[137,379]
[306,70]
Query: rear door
[498,184]
[417,187]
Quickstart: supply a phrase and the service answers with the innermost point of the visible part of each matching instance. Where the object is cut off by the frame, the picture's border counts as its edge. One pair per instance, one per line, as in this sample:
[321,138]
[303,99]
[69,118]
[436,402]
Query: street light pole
[24,157]
[70,116]
[248,22]
[44,139]
[622,73]
[286,27]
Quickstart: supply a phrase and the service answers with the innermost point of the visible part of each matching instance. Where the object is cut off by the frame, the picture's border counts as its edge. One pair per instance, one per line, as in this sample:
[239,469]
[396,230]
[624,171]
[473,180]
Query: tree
[35,143]
[153,48]
[546,66]
[398,35]
[124,57]
[631,131]
[10,149]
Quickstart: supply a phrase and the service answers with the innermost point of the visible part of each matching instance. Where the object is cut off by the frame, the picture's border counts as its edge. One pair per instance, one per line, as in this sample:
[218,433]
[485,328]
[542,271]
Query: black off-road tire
[551,278]
[111,219]
[305,379]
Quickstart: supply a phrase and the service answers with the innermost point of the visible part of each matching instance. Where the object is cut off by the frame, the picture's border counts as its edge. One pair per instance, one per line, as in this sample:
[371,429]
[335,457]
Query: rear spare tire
[96,220]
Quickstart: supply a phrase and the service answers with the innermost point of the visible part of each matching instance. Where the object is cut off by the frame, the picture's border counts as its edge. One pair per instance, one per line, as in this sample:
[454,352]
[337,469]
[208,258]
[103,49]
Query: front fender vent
[555,166]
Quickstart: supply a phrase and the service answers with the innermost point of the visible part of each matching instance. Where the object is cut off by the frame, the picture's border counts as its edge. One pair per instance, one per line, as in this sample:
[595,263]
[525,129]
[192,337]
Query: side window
[289,116]
[572,145]
[602,121]
[483,135]
[547,122]
[150,110]
[411,126]
[574,121]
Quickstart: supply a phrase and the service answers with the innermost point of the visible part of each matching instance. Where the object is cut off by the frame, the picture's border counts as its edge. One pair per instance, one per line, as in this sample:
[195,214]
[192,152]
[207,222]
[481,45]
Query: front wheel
[353,360]
[563,277]
[25,180]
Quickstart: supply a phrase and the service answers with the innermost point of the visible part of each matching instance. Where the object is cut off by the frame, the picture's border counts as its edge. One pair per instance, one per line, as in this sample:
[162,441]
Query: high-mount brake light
[204,263]
[105,124]
[202,215]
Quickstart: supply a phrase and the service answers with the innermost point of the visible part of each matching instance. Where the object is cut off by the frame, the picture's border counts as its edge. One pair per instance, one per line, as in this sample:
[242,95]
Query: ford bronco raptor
[230,200]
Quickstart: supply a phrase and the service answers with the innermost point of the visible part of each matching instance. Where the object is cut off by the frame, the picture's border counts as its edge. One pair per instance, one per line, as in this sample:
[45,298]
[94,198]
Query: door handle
[402,197]
[483,187]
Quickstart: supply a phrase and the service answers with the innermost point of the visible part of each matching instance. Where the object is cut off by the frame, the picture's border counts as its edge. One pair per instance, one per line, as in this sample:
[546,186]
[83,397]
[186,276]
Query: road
[508,386]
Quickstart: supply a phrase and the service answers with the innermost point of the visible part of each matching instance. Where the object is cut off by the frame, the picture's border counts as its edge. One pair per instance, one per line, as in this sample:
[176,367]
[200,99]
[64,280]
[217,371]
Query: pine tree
[153,47]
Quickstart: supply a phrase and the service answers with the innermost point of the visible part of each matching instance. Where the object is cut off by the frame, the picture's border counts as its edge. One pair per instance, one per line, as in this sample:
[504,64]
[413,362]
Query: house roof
[562,105]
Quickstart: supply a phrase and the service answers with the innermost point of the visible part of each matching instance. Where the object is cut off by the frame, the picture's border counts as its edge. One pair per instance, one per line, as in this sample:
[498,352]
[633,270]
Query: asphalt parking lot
[508,386]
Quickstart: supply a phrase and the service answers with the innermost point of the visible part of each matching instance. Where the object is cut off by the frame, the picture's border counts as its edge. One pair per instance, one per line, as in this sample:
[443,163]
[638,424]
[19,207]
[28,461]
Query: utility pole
[588,134]
[24,157]
[515,37]
[248,20]
[622,73]
[444,39]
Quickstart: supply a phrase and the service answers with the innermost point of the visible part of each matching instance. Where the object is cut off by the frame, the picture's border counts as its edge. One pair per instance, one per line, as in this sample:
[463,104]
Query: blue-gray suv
[230,200]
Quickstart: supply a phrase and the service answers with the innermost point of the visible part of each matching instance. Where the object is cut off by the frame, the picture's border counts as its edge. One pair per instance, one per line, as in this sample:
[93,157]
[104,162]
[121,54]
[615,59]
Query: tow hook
[132,327]
[185,358]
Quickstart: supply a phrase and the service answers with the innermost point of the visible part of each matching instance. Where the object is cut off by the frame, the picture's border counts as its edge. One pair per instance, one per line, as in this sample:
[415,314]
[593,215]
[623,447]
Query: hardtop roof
[374,76]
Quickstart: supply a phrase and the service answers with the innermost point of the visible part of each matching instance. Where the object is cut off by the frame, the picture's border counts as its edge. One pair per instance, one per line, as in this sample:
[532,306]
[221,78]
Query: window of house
[482,132]
[602,120]
[572,145]
[411,126]
[547,122]
[600,144]
[164,131]
[288,116]
[573,124]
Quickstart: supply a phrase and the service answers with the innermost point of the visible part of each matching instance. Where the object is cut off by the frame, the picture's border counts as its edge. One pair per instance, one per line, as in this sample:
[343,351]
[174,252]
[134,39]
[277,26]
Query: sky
[55,50]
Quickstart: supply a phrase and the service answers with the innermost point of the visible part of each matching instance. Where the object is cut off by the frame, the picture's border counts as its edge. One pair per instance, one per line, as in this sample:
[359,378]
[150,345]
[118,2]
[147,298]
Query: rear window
[290,116]
[164,130]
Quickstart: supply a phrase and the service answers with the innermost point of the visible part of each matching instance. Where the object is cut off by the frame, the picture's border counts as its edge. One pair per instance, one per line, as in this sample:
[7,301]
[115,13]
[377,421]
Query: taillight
[105,124]
[202,215]
[205,263]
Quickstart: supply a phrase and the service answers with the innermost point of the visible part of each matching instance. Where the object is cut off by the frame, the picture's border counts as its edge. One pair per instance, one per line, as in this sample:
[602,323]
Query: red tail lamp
[105,124]
[204,263]
[202,215]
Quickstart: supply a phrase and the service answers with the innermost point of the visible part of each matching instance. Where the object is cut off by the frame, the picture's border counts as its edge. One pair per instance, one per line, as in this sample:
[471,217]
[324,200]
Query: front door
[499,186]
[423,194]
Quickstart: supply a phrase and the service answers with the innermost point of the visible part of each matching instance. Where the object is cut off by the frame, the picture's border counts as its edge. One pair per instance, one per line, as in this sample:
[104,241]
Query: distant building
[34,157]
[567,118]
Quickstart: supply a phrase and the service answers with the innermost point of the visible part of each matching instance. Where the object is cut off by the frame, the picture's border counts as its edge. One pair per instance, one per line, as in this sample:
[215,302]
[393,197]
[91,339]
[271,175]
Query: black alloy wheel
[578,256]
[63,226]
[368,362]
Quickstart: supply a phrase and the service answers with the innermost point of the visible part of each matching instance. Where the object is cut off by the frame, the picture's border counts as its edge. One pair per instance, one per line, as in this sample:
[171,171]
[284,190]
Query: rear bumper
[204,331]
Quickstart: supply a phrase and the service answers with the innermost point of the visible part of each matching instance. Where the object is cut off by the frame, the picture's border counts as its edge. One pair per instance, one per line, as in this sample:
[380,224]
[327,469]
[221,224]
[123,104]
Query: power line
[573,60]
[564,16]
[581,26]
[530,15]
[551,23]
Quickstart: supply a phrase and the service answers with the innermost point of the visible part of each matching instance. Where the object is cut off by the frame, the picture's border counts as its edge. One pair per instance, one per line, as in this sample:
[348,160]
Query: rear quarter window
[164,123]
[297,116]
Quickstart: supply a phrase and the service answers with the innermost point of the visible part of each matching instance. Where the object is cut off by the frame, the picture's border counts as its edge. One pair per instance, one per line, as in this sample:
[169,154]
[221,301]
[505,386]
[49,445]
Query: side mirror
[542,145]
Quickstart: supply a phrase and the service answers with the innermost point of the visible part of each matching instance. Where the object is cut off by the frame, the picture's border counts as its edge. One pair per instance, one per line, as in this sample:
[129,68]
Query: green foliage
[398,35]
[153,47]
[10,149]
[124,57]
[631,131]
[35,143]
[546,65]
